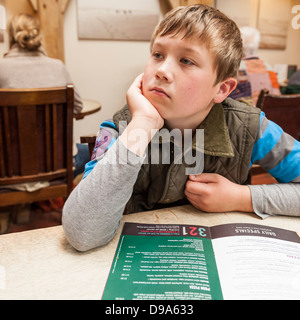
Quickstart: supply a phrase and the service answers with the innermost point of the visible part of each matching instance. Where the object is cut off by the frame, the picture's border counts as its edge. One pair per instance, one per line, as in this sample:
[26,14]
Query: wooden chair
[90,140]
[284,110]
[36,137]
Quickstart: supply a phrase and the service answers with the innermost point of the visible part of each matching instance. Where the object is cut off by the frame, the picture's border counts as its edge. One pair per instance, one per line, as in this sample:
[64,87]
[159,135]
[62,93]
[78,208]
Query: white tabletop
[89,107]
[41,264]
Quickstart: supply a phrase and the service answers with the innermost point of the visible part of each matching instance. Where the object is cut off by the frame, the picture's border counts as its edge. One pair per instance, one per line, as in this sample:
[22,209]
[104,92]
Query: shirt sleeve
[276,199]
[92,213]
[279,154]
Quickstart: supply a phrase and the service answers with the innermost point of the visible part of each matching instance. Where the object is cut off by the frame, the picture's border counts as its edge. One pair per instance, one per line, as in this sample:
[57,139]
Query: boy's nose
[164,72]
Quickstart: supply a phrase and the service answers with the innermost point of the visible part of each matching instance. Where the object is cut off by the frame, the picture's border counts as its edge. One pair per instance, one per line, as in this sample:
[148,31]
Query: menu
[188,262]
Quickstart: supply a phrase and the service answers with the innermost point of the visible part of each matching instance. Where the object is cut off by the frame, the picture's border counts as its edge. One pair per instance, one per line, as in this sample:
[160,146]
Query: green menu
[163,262]
[184,262]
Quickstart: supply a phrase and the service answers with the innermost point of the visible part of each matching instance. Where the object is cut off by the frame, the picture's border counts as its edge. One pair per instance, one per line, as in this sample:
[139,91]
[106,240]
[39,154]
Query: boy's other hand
[140,107]
[212,192]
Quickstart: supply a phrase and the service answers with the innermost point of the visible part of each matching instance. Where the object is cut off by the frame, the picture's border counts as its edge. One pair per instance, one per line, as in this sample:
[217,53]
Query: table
[89,107]
[41,264]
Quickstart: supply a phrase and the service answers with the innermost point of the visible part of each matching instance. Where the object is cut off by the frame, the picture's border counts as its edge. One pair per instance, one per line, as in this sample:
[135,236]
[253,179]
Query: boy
[195,56]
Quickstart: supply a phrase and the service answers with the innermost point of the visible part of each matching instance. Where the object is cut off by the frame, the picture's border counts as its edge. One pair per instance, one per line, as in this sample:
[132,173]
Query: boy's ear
[225,88]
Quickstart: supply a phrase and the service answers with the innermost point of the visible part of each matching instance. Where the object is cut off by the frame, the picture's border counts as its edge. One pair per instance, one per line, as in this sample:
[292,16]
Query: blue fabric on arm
[266,142]
[108,124]
[288,169]
[269,142]
[89,167]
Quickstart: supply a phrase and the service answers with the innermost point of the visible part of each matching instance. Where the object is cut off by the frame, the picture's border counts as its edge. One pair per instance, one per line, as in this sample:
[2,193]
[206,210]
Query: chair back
[284,110]
[36,137]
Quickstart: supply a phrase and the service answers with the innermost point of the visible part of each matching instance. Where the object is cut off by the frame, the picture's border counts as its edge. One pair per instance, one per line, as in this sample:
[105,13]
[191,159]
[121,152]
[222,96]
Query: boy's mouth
[160,92]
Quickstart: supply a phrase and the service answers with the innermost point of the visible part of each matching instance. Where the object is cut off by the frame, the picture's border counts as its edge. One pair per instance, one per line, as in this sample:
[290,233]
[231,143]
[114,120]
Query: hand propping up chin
[140,107]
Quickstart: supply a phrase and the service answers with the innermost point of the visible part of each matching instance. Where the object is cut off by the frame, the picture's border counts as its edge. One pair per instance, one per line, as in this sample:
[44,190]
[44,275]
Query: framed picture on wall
[273,23]
[117,20]
[270,17]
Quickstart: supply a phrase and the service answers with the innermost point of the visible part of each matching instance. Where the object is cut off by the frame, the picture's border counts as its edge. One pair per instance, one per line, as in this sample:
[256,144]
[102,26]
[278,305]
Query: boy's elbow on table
[83,234]
[80,244]
[83,240]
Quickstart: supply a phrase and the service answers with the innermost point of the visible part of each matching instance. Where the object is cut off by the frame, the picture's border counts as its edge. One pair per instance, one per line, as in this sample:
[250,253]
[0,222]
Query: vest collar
[216,136]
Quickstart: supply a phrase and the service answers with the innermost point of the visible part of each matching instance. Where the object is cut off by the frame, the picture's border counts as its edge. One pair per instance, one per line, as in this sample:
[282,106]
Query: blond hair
[219,33]
[24,29]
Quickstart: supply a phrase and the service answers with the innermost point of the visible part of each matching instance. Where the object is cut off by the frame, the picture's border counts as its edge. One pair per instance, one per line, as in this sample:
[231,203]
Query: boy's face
[179,81]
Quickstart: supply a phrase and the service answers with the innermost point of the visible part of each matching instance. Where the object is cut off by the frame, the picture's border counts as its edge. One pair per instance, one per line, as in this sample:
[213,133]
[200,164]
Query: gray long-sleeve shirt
[93,211]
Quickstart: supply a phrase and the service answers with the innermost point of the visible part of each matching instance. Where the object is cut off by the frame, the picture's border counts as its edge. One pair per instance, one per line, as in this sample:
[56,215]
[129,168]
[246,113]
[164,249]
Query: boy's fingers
[195,188]
[139,78]
[138,81]
[204,178]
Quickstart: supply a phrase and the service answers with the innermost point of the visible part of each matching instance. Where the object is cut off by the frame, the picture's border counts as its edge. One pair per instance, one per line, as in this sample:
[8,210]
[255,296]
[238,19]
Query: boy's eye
[157,55]
[186,61]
